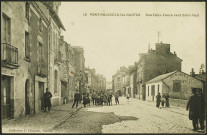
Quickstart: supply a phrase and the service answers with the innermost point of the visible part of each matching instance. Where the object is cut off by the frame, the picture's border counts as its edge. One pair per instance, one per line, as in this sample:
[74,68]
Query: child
[163,102]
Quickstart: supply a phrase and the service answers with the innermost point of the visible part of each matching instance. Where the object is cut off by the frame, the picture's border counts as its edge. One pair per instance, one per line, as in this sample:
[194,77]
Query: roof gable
[161,77]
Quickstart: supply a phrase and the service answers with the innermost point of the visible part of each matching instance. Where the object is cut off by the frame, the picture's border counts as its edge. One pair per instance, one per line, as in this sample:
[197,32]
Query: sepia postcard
[103,67]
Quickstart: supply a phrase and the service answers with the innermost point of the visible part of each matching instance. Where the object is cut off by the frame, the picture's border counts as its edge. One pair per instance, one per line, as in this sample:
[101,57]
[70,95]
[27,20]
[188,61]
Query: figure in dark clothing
[194,106]
[158,97]
[84,100]
[117,98]
[47,102]
[76,99]
[109,99]
[163,102]
[101,99]
[94,98]
[167,100]
[202,115]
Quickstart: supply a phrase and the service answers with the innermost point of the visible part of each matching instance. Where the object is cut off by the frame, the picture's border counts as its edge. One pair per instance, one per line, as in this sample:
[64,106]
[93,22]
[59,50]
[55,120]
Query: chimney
[192,73]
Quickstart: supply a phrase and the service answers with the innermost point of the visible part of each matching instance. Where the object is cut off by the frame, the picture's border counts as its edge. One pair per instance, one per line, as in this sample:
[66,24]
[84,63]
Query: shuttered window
[176,85]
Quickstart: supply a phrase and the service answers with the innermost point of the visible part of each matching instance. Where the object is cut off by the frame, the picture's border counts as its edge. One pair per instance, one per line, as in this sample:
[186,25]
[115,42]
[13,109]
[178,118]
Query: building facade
[176,84]
[154,63]
[117,81]
[54,54]
[24,57]
[79,62]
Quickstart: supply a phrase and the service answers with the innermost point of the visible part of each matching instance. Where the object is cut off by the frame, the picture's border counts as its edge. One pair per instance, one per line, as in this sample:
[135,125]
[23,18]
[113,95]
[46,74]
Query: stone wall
[186,83]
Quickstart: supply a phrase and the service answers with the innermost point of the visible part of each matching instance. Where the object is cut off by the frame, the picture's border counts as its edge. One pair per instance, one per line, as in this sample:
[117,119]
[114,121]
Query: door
[27,107]
[41,93]
[5,97]
[143,92]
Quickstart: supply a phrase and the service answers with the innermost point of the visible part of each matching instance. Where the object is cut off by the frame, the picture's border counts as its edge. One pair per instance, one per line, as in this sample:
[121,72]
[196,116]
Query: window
[158,88]
[6,26]
[176,85]
[40,53]
[40,25]
[118,78]
[148,91]
[27,46]
[153,90]
[27,7]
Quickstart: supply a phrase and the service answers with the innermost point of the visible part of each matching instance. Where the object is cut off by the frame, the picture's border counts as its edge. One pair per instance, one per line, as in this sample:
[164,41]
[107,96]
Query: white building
[176,84]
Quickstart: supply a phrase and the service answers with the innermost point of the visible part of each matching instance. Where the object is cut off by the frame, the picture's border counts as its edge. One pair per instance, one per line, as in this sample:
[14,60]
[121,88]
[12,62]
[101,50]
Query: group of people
[101,98]
[196,107]
[98,98]
[163,101]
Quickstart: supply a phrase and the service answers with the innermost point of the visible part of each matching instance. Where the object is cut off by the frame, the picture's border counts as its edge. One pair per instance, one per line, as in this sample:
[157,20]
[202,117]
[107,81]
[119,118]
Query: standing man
[202,115]
[47,102]
[93,97]
[167,100]
[194,106]
[158,97]
[117,98]
[76,99]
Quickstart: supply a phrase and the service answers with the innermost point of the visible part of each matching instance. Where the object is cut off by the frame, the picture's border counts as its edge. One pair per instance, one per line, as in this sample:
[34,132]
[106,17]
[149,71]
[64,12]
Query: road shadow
[90,122]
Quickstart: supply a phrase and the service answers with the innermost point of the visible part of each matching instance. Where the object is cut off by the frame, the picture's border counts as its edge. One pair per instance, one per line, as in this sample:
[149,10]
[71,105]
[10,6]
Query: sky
[110,42]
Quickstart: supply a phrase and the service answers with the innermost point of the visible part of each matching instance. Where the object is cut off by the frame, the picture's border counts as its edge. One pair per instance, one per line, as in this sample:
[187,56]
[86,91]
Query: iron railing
[9,54]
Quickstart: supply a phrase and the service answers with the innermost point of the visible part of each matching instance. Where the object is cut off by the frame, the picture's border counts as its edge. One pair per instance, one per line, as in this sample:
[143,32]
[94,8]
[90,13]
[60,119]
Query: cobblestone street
[130,116]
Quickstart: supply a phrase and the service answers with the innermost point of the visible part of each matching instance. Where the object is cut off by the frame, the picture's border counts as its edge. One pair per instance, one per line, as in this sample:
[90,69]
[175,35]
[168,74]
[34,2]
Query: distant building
[117,80]
[96,82]
[154,63]
[108,85]
[79,62]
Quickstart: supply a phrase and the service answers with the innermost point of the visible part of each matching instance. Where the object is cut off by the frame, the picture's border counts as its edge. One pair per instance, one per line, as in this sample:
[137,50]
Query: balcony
[9,56]
[58,57]
[42,69]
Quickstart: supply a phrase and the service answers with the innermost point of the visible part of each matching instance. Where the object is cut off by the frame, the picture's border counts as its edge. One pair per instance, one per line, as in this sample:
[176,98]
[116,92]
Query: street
[140,117]
[130,116]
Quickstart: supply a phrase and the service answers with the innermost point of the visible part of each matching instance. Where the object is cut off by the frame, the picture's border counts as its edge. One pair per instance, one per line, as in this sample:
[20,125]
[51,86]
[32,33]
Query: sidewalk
[40,122]
[174,109]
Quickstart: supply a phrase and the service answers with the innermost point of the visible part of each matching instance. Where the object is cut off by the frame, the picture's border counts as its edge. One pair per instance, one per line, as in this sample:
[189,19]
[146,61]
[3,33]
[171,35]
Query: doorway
[27,107]
[6,103]
[41,93]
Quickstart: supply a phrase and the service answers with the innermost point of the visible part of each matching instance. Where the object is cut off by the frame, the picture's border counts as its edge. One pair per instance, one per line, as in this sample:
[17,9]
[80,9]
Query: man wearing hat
[76,99]
[194,106]
[158,97]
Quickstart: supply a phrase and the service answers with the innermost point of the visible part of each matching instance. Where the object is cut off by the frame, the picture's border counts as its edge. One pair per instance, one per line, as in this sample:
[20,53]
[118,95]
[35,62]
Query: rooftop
[161,77]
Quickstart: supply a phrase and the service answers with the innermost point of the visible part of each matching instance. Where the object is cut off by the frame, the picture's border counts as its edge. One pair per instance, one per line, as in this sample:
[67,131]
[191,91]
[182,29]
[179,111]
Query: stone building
[54,54]
[36,43]
[154,63]
[176,84]
[24,57]
[108,86]
[71,65]
[117,80]
[13,65]
[129,82]
[79,62]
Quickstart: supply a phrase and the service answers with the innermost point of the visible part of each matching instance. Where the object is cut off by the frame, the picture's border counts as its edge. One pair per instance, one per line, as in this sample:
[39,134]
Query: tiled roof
[160,77]
[201,77]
